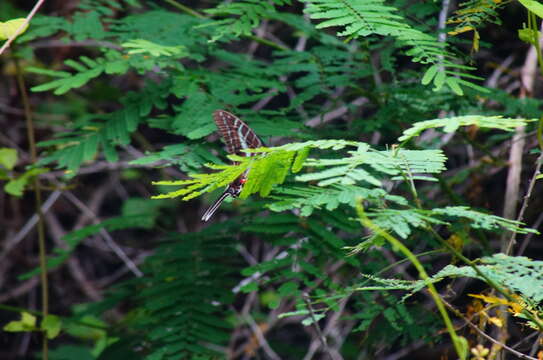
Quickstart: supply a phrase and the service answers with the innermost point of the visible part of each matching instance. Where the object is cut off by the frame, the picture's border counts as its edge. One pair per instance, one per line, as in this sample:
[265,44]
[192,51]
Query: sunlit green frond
[336,144]
[347,171]
[142,46]
[480,220]
[85,70]
[386,284]
[112,62]
[518,273]
[201,183]
[307,199]
[453,123]
[402,221]
[271,166]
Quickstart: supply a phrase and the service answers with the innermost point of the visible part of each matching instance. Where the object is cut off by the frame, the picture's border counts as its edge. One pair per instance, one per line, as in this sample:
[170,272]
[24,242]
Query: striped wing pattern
[237,135]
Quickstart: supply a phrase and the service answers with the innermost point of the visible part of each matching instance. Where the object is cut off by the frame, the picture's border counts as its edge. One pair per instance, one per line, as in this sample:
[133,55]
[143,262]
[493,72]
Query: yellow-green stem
[458,342]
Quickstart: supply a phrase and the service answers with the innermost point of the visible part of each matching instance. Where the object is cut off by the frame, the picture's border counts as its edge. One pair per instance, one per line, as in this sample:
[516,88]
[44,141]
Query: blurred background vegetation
[101,98]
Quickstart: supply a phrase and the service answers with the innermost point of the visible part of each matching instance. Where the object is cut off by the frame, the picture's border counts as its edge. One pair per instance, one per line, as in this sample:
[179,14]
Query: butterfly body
[237,136]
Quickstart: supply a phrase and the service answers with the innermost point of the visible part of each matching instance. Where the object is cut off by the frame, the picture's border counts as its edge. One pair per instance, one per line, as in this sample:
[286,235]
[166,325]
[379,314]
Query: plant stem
[460,344]
[185,9]
[490,282]
[38,203]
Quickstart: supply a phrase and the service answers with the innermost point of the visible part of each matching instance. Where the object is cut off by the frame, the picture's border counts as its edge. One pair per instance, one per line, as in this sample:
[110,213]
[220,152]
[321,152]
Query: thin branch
[83,43]
[525,202]
[483,334]
[513,177]
[12,242]
[185,9]
[57,232]
[261,339]
[339,338]
[107,280]
[99,166]
[442,22]
[334,114]
[320,335]
[105,235]
[19,290]
[529,236]
[39,3]
[527,338]
[494,78]
[528,75]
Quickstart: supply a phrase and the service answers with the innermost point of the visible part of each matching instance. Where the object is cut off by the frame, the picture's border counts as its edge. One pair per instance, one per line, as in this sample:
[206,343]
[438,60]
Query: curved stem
[460,344]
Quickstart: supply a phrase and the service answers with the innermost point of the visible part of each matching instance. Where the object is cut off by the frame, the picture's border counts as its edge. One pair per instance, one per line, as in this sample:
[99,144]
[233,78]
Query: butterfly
[237,135]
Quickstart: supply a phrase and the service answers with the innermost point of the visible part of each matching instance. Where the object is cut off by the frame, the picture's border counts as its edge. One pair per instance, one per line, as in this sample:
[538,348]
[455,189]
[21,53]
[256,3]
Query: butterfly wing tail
[209,212]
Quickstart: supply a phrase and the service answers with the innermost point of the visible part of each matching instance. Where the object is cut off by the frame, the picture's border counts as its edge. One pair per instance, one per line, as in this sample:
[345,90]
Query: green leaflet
[271,166]
[241,18]
[480,220]
[9,28]
[517,273]
[453,123]
[365,18]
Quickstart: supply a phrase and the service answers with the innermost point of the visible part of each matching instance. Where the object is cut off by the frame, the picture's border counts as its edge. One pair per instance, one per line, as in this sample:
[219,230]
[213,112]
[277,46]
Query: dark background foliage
[121,95]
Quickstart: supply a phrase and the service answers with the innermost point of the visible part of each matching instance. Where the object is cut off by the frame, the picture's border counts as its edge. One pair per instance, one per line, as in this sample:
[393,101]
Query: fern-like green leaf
[475,13]
[267,169]
[199,268]
[142,46]
[189,157]
[307,199]
[480,220]
[104,131]
[348,171]
[517,273]
[240,18]
[402,221]
[373,17]
[452,124]
[86,69]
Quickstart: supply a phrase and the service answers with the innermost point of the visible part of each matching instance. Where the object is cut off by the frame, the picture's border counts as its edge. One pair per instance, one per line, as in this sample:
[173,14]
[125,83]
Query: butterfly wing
[209,212]
[236,134]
